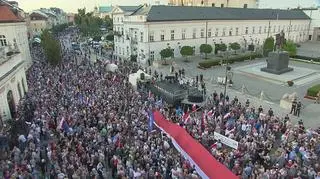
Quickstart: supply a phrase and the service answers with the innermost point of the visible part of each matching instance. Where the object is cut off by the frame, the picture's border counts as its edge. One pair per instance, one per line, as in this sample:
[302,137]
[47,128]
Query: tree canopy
[235,46]
[290,47]
[220,47]
[89,25]
[51,48]
[166,53]
[186,51]
[205,48]
[268,46]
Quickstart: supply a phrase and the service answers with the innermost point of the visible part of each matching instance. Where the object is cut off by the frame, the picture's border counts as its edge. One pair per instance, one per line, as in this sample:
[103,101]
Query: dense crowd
[87,121]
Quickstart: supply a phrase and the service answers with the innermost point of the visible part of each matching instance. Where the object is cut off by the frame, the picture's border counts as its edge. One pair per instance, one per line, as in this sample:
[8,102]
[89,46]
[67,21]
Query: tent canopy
[112,67]
[135,76]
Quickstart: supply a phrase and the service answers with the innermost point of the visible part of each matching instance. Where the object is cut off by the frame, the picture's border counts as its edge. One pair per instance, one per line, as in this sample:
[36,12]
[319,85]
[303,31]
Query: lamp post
[226,79]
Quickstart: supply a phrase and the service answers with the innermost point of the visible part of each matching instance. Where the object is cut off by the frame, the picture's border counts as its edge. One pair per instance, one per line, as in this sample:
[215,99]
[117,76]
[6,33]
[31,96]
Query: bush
[242,58]
[307,58]
[268,46]
[313,91]
[209,63]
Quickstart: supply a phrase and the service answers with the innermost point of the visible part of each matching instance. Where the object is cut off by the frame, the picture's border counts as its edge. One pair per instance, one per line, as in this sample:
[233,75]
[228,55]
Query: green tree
[290,47]
[108,22]
[51,48]
[186,51]
[166,53]
[220,47]
[110,37]
[205,48]
[235,46]
[268,46]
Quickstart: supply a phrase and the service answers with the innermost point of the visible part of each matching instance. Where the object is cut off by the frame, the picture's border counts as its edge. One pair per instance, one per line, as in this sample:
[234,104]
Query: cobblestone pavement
[253,87]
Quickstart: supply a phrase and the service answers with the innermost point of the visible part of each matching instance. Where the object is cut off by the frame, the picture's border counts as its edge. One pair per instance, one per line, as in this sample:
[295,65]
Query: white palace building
[146,30]
[14,60]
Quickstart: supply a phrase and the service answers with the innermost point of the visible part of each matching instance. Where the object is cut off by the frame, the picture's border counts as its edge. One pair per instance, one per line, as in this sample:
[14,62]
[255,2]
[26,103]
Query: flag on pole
[194,107]
[186,117]
[151,120]
[203,120]
[210,113]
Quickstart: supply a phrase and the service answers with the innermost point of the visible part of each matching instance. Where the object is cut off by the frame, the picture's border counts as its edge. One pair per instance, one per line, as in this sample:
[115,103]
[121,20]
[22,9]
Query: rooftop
[105,9]
[186,13]
[7,14]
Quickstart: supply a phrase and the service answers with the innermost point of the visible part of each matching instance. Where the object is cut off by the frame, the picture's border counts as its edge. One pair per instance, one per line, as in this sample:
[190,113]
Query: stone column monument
[278,61]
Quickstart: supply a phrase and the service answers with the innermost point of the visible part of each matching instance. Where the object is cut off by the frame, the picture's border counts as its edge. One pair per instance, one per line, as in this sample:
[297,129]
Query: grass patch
[313,91]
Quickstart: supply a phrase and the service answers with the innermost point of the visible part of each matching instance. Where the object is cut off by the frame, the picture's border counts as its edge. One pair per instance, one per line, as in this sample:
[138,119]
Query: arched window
[3,41]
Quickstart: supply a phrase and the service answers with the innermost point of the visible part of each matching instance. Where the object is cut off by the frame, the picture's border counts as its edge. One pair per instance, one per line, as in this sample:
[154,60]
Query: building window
[135,35]
[151,37]
[265,29]
[3,41]
[141,36]
[274,29]
[217,32]
[209,32]
[162,35]
[253,30]
[260,29]
[152,55]
[172,34]
[237,30]
[202,33]
[127,50]
[194,34]
[245,6]
[183,34]
[213,5]
[279,28]
[247,30]
[224,32]
[230,32]
[222,5]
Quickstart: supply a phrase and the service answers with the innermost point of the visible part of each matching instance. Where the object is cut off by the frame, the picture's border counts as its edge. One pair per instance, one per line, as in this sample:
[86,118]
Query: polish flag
[210,113]
[186,117]
[203,120]
[226,115]
[194,107]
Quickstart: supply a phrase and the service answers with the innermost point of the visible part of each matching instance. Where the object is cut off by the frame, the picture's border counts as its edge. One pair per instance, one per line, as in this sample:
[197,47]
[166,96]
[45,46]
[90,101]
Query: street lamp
[228,68]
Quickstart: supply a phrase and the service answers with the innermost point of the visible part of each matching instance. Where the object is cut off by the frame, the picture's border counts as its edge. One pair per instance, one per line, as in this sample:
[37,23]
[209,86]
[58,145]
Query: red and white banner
[205,164]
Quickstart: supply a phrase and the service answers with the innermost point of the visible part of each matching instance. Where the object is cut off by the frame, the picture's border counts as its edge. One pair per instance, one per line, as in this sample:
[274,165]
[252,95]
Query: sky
[73,5]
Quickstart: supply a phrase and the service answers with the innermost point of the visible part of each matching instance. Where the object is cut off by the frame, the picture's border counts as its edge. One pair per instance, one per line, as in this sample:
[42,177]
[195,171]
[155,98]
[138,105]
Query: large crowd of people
[87,122]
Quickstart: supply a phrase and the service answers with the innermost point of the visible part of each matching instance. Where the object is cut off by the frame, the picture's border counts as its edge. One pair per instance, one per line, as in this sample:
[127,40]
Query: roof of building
[185,13]
[105,9]
[129,8]
[7,15]
[39,13]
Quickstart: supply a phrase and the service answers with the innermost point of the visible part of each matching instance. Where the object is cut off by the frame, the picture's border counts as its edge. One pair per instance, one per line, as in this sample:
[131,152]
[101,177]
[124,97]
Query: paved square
[299,75]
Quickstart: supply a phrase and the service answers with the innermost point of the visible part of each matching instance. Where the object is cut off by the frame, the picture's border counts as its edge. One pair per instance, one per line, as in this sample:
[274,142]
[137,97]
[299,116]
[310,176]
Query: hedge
[315,59]
[239,58]
[242,58]
[313,91]
[209,63]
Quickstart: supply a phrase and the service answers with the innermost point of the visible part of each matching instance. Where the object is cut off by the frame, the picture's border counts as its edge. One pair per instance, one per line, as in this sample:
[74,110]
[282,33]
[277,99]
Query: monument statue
[278,62]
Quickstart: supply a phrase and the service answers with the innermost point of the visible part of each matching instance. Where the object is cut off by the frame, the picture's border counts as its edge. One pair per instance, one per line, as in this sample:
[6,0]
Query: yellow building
[216,3]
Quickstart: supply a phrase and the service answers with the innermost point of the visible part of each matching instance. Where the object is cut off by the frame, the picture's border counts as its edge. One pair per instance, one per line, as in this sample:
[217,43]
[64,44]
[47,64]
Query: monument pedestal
[277,63]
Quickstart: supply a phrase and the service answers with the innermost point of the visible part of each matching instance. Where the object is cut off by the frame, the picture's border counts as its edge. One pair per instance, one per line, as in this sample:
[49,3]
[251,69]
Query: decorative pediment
[117,10]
